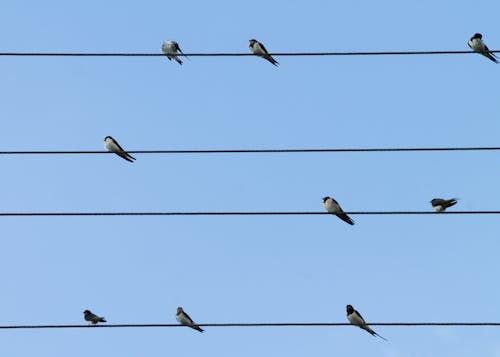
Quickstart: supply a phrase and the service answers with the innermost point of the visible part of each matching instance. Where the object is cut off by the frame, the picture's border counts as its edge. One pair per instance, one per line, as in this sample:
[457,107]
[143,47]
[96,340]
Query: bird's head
[325,198]
[349,309]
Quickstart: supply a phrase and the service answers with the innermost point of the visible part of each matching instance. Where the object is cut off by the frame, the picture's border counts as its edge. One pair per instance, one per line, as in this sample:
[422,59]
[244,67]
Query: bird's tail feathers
[197,328]
[182,53]
[371,332]
[269,58]
[491,56]
[102,319]
[346,218]
[452,202]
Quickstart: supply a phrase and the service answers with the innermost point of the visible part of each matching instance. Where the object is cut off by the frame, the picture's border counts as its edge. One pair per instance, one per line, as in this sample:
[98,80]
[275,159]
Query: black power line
[128,54]
[299,324]
[263,213]
[249,151]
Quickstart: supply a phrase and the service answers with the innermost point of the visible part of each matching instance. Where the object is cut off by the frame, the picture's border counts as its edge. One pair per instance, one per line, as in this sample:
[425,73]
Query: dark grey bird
[258,49]
[113,146]
[184,319]
[355,318]
[92,318]
[440,205]
[477,45]
[333,207]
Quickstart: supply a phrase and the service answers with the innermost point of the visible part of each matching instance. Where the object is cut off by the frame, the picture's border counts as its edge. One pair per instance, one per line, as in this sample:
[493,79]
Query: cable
[251,151]
[45,214]
[305,324]
[125,54]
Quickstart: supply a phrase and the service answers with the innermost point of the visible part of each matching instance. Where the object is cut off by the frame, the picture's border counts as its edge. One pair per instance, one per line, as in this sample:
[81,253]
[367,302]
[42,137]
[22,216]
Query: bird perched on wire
[92,318]
[477,45]
[355,318]
[440,205]
[170,49]
[258,49]
[184,319]
[113,146]
[333,207]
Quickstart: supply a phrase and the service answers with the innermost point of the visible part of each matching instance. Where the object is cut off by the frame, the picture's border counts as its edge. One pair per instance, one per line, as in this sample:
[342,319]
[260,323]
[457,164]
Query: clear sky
[255,268]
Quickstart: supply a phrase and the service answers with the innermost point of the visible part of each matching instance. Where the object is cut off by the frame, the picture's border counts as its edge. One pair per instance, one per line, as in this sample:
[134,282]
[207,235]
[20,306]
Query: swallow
[258,49]
[92,318]
[440,205]
[170,49]
[333,207]
[355,318]
[477,45]
[184,319]
[113,146]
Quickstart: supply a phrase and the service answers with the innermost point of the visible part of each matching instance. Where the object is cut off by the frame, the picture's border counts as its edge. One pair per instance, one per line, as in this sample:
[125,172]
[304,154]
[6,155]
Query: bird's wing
[262,47]
[487,50]
[188,318]
[117,145]
[361,317]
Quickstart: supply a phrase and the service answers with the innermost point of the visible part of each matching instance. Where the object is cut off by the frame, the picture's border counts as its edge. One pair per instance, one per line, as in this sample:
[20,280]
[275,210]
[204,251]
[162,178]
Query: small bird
[258,49]
[333,207]
[440,205]
[184,319]
[355,318]
[113,146]
[477,45]
[92,318]
[170,48]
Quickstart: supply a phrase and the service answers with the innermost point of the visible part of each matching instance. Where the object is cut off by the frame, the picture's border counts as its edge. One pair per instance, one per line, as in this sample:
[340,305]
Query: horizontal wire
[305,324]
[24,214]
[126,54]
[249,151]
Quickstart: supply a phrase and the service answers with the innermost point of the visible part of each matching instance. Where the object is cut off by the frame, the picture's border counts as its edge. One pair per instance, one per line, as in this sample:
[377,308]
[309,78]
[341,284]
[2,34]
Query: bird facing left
[92,318]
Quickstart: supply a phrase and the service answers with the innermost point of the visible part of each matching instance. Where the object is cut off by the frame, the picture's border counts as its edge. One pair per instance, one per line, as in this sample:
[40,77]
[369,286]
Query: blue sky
[249,269]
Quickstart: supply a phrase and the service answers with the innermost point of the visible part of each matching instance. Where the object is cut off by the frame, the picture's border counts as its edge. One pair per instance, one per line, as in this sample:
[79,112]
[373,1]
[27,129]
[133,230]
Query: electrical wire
[281,54]
[45,214]
[249,151]
[299,324]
